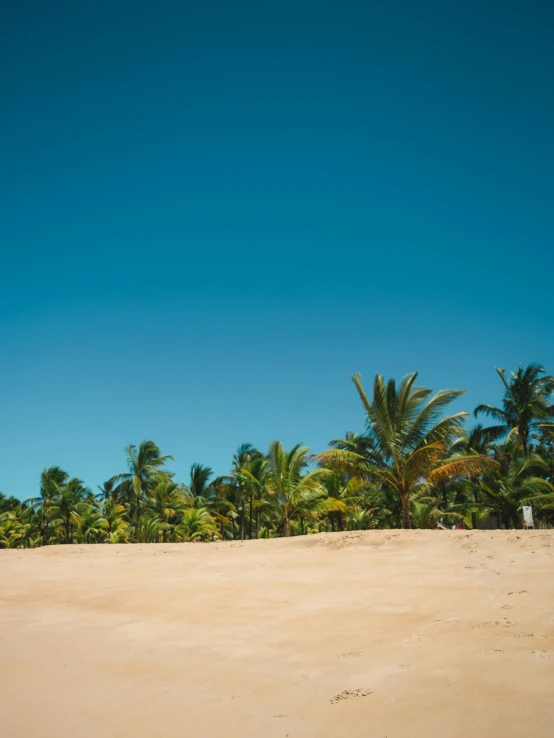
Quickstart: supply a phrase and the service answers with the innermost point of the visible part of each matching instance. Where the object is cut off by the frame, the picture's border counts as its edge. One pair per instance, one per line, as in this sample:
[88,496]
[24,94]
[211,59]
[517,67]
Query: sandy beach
[380,634]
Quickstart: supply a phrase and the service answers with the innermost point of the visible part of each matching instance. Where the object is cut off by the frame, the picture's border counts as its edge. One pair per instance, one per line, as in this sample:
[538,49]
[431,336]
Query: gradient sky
[214,213]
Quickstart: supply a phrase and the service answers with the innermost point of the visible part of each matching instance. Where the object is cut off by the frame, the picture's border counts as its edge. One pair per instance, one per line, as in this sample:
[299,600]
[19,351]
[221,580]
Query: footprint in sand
[507,607]
[448,621]
[504,623]
[413,639]
[507,623]
[518,636]
[302,678]
[543,654]
[407,665]
[488,624]
[350,694]
[495,652]
[519,592]
[353,654]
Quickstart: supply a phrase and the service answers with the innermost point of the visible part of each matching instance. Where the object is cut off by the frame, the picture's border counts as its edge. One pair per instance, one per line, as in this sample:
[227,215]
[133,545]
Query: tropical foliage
[414,465]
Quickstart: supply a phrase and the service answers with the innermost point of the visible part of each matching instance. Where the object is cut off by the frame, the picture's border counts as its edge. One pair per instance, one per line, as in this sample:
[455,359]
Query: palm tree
[478,440]
[426,513]
[406,440]
[254,472]
[117,526]
[13,531]
[505,490]
[164,507]
[526,405]
[148,530]
[197,525]
[51,479]
[93,523]
[357,497]
[245,483]
[7,504]
[200,488]
[292,491]
[67,505]
[145,465]
[360,519]
[310,508]
[111,490]
[241,484]
[222,506]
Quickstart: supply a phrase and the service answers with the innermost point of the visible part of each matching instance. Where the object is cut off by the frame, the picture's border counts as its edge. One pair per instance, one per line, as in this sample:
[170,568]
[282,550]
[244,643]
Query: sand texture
[380,634]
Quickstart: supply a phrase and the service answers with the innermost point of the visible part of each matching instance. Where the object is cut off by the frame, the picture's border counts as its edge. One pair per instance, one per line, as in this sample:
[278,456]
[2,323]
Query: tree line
[414,465]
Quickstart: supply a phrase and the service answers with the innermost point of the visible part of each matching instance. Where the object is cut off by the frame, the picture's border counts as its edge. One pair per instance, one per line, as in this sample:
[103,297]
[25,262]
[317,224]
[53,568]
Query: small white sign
[527,516]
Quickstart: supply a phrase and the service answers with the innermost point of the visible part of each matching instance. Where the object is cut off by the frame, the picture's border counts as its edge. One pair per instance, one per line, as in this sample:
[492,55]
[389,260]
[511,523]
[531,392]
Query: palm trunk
[137,519]
[406,522]
[286,529]
[242,521]
[524,437]
[250,522]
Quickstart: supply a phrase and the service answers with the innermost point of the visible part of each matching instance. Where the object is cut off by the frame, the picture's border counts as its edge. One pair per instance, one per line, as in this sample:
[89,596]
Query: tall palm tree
[254,472]
[244,483]
[68,503]
[406,439]
[240,485]
[292,490]
[526,405]
[145,464]
[200,488]
[222,506]
[51,479]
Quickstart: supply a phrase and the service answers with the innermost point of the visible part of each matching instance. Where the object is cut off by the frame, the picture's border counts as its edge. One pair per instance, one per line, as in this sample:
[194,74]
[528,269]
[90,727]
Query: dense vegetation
[414,465]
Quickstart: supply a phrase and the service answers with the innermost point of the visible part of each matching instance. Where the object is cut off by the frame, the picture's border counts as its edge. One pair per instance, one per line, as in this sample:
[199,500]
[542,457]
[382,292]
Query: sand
[431,634]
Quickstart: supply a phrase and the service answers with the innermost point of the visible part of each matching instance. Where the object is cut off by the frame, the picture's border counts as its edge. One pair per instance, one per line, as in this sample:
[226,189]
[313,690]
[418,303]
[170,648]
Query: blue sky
[214,213]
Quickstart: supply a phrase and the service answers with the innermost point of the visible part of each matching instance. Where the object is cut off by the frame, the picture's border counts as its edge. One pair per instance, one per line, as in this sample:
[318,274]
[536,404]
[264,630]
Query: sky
[214,213]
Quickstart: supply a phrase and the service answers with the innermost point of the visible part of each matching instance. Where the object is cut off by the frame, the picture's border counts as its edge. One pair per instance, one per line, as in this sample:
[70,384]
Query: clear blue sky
[214,213]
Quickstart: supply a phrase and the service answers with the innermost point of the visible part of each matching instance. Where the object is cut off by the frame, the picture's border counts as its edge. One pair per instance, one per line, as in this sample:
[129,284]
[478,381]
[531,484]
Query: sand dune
[429,634]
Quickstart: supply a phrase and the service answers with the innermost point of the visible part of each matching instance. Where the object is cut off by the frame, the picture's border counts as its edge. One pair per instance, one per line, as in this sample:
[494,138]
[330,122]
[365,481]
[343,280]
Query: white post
[527,516]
